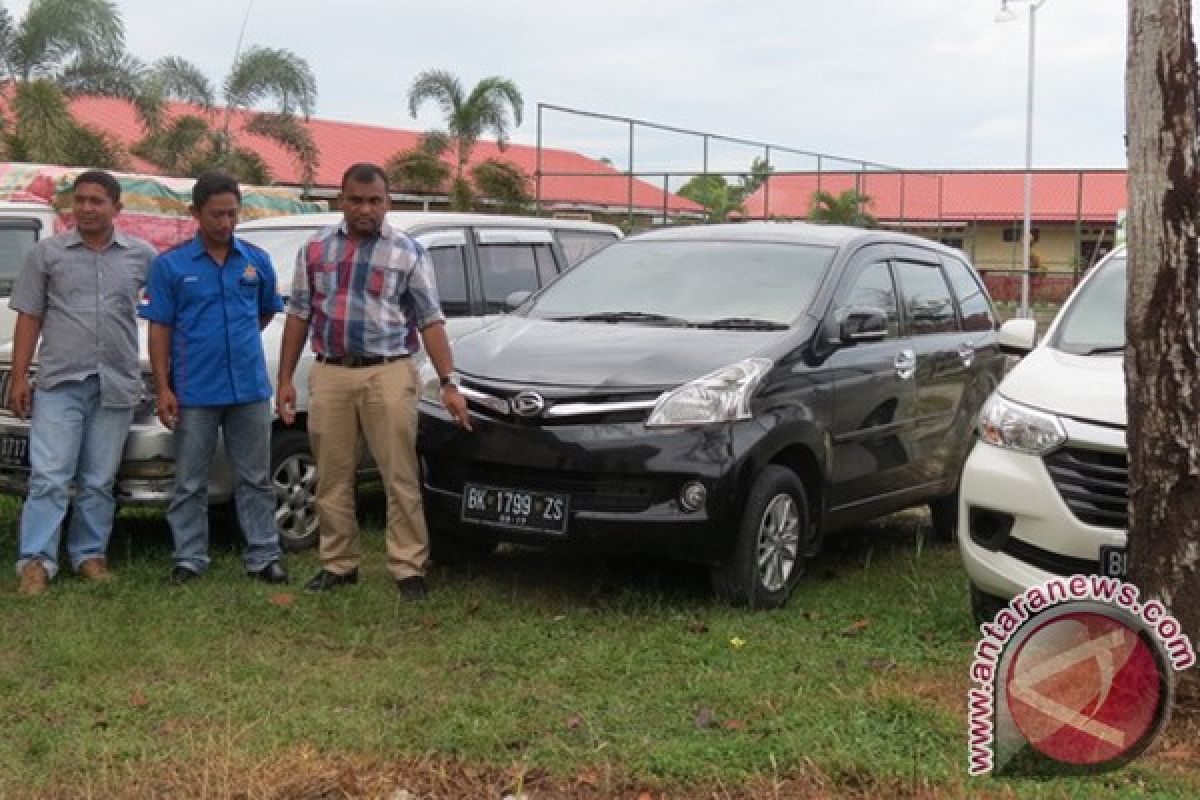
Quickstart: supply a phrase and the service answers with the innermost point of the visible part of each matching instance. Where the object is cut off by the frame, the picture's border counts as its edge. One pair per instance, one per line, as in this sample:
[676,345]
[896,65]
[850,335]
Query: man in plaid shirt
[363,292]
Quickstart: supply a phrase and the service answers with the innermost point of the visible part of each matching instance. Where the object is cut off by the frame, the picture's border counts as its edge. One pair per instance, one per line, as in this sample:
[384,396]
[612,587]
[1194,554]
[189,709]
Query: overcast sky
[910,83]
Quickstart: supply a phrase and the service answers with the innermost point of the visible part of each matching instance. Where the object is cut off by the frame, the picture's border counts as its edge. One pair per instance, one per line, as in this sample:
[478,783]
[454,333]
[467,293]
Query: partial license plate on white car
[518,509]
[1114,561]
[14,451]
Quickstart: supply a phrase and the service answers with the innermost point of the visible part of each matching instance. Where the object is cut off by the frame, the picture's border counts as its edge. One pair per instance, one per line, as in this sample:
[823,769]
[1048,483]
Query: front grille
[589,492]
[1093,484]
[1050,562]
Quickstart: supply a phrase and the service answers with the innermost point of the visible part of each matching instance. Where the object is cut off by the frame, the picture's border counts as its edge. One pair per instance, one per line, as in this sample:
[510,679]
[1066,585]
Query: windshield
[742,283]
[1095,321]
[281,245]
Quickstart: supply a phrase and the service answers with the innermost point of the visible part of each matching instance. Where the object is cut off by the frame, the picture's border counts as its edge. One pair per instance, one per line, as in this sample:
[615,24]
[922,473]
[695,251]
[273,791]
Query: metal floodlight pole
[1027,223]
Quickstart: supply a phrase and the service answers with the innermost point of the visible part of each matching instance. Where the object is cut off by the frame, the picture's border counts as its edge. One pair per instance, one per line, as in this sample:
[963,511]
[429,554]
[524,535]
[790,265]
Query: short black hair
[102,179]
[365,172]
[213,183]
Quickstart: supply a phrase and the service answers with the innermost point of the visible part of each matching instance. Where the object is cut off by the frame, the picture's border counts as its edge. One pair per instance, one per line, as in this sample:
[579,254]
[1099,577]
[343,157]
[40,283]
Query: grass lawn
[529,674]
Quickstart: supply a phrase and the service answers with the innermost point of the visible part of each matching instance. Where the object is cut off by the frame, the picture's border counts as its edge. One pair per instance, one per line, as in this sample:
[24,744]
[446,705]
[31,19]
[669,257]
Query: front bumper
[144,478]
[623,479]
[1014,528]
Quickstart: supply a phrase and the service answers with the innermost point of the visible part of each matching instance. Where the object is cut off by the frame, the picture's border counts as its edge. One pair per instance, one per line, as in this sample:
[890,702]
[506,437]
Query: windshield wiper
[629,316]
[1110,348]
[742,324]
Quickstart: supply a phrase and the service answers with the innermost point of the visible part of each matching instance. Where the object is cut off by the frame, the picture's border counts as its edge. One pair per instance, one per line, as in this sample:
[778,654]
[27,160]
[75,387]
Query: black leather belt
[357,360]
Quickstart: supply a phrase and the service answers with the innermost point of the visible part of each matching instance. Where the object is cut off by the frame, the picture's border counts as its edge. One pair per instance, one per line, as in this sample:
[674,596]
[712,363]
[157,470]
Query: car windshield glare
[697,282]
[1095,321]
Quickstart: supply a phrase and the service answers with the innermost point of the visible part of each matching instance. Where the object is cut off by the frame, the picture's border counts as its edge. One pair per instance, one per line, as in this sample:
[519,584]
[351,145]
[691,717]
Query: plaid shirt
[364,298]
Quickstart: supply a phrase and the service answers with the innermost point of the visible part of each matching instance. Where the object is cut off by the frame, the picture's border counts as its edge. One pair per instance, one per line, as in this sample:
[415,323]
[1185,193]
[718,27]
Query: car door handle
[966,351]
[906,364]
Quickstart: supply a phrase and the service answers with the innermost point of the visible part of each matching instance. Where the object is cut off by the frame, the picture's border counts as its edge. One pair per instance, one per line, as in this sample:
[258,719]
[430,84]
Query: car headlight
[1013,426]
[720,396]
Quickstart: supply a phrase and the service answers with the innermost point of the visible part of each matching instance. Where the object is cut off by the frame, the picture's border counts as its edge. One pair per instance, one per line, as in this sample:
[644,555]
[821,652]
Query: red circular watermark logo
[1087,687]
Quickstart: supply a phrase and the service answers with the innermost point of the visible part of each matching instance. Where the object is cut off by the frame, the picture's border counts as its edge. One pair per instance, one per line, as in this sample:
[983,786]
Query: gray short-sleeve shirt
[87,302]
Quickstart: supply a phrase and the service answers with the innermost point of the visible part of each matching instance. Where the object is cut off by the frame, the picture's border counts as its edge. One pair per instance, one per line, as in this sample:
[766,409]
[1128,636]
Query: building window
[1013,234]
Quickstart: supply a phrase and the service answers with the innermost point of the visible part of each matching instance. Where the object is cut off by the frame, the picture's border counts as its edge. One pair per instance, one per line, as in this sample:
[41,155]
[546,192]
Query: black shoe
[325,579]
[181,575]
[271,573]
[413,588]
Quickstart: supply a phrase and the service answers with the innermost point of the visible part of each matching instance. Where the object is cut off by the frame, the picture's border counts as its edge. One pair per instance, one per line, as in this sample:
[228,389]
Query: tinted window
[578,245]
[1095,319]
[873,288]
[698,281]
[927,302]
[509,268]
[15,242]
[972,300]
[451,270]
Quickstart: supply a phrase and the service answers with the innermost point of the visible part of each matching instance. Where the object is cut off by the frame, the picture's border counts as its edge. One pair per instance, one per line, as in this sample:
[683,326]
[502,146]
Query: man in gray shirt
[78,293]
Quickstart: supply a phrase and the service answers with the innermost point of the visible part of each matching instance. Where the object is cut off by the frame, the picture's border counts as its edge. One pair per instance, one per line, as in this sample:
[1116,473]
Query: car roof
[786,233]
[410,220]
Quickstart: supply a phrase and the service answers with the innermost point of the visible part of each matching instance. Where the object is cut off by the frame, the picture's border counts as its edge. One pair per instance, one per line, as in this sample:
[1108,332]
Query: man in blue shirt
[207,302]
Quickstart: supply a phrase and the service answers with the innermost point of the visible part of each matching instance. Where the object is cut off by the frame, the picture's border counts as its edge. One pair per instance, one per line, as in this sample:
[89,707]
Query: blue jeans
[72,438]
[247,430]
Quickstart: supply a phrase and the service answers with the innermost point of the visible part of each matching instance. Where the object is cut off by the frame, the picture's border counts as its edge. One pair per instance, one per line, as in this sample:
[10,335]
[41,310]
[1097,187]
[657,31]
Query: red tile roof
[954,196]
[343,143]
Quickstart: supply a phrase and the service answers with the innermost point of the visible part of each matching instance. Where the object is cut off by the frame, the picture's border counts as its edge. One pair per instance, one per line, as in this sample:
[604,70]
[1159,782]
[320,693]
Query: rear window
[973,302]
[578,245]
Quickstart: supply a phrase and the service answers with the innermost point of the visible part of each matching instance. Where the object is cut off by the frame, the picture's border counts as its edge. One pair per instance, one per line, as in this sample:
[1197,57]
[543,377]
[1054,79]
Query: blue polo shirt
[216,347]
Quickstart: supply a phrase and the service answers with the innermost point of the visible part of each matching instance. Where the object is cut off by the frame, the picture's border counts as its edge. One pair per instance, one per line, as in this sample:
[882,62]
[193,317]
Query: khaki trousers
[380,404]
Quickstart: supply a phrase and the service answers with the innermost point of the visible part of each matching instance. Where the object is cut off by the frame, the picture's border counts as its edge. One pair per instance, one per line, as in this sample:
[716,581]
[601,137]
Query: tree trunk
[1161,359]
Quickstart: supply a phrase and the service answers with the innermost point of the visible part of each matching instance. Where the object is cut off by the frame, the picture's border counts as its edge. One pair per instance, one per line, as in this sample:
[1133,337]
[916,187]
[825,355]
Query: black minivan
[727,394]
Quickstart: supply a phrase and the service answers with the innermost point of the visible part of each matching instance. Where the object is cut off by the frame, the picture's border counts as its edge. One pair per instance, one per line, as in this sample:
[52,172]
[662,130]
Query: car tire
[984,606]
[294,476]
[943,514]
[773,541]
[450,547]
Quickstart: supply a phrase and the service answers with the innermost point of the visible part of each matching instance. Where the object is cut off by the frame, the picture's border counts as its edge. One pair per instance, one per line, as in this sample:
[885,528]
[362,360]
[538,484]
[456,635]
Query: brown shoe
[34,579]
[95,570]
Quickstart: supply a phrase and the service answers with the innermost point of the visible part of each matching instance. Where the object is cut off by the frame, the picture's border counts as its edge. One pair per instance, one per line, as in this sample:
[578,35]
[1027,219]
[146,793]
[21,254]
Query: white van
[1044,492]
[481,261]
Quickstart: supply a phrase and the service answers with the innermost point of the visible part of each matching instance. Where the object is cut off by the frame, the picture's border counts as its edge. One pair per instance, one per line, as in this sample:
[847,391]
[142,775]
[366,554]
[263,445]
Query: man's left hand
[456,404]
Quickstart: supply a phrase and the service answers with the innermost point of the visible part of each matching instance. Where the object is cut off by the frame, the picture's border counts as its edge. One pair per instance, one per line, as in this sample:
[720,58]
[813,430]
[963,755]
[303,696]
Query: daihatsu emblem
[527,404]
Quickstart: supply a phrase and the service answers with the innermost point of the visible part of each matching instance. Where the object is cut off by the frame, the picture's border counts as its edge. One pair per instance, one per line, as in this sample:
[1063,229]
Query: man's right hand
[168,408]
[20,396]
[285,402]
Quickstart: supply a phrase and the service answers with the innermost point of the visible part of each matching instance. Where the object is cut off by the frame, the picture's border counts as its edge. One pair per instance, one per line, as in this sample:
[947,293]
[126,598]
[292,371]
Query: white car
[1044,491]
[484,263]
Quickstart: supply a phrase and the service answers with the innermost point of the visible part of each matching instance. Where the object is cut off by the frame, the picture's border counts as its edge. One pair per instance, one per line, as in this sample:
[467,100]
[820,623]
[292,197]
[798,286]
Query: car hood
[595,355]
[1083,387]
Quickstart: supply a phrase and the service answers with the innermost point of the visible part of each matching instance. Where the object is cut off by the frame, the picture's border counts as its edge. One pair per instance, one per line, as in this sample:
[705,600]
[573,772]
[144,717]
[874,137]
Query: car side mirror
[862,325]
[516,299]
[1017,336]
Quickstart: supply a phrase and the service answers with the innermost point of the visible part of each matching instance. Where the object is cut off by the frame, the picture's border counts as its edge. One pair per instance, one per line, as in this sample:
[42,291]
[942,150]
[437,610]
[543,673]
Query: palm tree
[60,48]
[193,143]
[845,208]
[468,116]
[715,194]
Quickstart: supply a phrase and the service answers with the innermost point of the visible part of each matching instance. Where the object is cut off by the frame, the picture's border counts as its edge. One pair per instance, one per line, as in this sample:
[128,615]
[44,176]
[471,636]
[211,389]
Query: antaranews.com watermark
[1079,670]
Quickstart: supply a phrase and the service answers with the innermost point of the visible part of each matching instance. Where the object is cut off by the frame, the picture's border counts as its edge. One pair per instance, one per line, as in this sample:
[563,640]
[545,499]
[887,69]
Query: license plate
[14,451]
[517,509]
[1114,561]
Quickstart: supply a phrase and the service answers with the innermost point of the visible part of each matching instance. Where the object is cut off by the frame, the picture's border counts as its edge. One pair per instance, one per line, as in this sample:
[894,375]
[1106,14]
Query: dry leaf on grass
[856,627]
[138,700]
[283,599]
[734,725]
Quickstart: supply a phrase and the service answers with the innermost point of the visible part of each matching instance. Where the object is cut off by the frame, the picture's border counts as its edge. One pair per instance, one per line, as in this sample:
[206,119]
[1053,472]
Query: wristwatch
[447,380]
